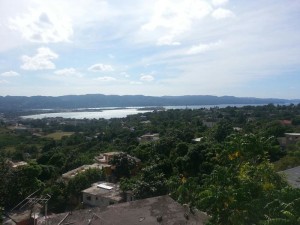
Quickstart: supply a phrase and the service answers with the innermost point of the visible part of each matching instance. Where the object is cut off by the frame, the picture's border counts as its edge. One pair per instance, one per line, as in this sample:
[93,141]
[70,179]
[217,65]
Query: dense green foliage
[228,173]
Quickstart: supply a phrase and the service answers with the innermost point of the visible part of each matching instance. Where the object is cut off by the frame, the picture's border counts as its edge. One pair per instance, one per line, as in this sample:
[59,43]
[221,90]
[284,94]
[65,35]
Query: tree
[58,200]
[124,164]
[241,184]
[180,150]
[150,183]
[6,176]
[21,182]
[296,120]
[222,130]
[82,181]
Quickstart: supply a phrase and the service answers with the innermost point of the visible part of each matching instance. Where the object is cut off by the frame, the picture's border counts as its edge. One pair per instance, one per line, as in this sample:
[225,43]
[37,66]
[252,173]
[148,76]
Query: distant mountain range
[100,100]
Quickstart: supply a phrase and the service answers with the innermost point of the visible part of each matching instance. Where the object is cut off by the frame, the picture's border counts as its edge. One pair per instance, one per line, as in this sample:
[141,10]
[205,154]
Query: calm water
[111,112]
[105,114]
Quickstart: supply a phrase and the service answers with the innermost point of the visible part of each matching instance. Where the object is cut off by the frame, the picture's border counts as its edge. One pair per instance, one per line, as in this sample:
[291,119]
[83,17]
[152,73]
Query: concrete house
[102,194]
[104,158]
[288,139]
[148,138]
[292,138]
[72,173]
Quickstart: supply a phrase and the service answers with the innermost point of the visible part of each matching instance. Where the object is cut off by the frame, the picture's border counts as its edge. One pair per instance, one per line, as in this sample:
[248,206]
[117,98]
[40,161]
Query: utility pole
[30,201]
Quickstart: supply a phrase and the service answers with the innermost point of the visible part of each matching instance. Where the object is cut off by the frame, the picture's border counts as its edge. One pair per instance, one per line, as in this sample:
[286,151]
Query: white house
[102,194]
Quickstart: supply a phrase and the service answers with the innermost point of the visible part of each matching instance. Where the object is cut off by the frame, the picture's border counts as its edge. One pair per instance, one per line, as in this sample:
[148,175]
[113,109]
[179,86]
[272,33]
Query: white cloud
[105,79]
[167,12]
[167,40]
[196,49]
[219,2]
[221,13]
[135,82]
[3,81]
[147,78]
[172,18]
[10,74]
[43,25]
[67,72]
[25,21]
[101,67]
[126,75]
[41,61]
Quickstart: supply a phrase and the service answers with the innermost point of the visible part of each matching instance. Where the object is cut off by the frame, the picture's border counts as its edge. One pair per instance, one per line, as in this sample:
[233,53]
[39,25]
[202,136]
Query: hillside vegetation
[229,172]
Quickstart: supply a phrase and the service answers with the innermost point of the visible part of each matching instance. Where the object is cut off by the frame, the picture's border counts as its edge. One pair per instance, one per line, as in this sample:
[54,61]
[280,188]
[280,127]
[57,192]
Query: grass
[59,135]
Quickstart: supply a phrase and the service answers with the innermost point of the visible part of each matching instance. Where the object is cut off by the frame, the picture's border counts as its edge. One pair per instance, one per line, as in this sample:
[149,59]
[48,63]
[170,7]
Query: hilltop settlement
[217,166]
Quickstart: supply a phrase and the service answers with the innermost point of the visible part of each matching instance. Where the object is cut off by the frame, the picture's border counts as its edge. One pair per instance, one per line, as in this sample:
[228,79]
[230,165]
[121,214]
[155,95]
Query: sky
[150,47]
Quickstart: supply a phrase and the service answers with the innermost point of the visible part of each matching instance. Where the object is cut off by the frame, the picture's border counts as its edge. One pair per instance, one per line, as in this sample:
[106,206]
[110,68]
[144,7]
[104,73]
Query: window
[88,198]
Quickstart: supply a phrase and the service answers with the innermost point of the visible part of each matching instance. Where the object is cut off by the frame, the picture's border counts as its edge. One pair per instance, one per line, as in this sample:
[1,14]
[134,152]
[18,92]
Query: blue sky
[157,47]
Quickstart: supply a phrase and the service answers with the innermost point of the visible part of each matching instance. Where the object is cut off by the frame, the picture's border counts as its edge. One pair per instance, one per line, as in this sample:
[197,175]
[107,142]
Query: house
[23,217]
[20,129]
[197,139]
[292,138]
[209,124]
[102,194]
[105,158]
[285,122]
[26,212]
[148,138]
[101,162]
[151,211]
[238,129]
[145,122]
[18,164]
[292,176]
[72,173]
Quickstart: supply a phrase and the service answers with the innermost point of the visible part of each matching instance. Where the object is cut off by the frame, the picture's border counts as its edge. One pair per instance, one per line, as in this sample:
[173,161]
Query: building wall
[99,201]
[292,139]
